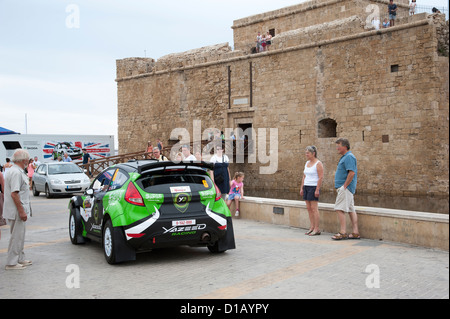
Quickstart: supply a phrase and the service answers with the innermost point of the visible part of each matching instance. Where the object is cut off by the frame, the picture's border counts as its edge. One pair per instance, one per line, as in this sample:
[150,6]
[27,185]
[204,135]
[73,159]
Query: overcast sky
[60,71]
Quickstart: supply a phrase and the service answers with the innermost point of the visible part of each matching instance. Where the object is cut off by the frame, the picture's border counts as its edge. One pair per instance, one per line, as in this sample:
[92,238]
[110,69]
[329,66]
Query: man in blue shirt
[67,158]
[345,181]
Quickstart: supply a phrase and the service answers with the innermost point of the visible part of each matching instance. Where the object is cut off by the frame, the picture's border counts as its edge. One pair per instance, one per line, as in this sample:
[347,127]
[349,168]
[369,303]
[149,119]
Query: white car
[59,178]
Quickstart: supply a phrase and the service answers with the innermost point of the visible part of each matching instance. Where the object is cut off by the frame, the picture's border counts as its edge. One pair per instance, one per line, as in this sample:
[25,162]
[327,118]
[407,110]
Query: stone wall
[386,90]
[306,14]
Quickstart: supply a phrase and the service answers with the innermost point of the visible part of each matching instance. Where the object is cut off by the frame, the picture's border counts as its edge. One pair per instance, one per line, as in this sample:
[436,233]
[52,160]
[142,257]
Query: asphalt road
[270,262]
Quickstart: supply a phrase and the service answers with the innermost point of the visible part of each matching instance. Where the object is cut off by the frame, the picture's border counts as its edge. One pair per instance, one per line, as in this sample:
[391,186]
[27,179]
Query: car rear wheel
[108,242]
[215,248]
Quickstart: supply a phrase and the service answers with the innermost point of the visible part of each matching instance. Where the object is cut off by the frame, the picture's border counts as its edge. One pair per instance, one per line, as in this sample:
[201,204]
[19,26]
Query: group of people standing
[345,183]
[263,42]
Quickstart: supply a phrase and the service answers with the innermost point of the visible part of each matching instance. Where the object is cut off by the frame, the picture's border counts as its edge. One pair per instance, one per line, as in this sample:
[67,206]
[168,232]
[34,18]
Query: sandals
[354,236]
[340,236]
[315,233]
[309,232]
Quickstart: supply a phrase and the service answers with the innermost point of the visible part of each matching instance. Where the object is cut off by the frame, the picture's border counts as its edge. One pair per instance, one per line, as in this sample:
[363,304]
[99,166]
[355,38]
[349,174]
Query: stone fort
[328,74]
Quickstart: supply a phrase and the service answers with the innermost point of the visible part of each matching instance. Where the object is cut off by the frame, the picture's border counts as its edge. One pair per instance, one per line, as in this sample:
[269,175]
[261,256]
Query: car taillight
[218,193]
[132,195]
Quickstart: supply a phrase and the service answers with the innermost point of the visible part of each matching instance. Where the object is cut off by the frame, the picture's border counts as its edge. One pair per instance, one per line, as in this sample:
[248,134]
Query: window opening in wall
[394,68]
[327,128]
[272,32]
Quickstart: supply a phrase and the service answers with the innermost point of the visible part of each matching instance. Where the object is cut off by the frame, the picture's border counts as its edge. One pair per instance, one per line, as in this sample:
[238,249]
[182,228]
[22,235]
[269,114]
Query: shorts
[308,193]
[344,201]
[233,195]
[392,16]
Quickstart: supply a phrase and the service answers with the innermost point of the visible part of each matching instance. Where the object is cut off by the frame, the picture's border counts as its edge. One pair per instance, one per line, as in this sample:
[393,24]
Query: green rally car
[142,205]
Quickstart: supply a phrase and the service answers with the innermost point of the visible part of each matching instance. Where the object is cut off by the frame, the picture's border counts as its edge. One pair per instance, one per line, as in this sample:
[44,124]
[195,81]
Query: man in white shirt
[36,162]
[16,210]
[187,156]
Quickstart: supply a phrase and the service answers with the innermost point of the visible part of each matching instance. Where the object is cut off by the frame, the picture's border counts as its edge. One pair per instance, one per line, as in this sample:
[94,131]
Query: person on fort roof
[392,9]
[412,7]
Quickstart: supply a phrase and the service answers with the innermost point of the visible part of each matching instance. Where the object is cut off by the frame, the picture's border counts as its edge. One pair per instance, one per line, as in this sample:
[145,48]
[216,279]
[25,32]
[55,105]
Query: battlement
[306,14]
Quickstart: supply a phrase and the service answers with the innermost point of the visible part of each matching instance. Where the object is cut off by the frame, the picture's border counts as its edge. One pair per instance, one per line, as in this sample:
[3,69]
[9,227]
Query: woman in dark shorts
[310,189]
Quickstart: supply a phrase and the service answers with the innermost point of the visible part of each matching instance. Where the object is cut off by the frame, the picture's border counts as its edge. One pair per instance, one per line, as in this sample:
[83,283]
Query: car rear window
[160,182]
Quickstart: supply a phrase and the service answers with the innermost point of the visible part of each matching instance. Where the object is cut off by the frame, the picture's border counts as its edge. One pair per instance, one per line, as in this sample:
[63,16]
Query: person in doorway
[310,188]
[17,209]
[345,181]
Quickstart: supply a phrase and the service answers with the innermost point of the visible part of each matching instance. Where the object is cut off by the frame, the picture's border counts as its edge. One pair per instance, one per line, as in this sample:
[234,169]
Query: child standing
[236,191]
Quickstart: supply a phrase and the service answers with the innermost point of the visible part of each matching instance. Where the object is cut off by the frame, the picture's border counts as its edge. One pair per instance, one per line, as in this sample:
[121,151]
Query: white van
[48,147]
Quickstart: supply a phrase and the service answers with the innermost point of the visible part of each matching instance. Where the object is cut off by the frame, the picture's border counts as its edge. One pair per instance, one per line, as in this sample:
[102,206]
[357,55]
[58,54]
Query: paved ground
[269,262]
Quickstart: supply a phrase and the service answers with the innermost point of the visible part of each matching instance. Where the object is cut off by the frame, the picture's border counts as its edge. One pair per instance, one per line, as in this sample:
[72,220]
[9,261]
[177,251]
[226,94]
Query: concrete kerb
[409,227]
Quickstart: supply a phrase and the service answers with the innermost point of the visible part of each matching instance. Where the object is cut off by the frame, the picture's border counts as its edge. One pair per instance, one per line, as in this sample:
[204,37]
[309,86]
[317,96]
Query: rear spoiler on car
[165,165]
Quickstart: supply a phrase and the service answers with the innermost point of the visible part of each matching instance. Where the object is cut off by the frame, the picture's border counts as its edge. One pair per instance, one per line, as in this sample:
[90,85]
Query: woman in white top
[310,189]
[221,175]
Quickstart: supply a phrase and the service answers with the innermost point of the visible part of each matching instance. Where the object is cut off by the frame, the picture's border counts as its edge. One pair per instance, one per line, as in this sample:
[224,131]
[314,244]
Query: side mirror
[90,192]
[42,173]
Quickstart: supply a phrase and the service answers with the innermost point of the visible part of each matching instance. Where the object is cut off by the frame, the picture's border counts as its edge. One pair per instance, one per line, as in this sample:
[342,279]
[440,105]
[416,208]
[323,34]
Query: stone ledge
[409,227]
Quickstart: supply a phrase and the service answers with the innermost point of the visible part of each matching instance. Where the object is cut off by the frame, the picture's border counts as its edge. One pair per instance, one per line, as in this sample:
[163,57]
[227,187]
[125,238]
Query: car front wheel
[35,192]
[47,192]
[75,227]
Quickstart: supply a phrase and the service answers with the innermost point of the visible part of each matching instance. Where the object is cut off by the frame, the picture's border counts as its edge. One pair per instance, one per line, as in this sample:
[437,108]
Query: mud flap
[122,251]
[227,242]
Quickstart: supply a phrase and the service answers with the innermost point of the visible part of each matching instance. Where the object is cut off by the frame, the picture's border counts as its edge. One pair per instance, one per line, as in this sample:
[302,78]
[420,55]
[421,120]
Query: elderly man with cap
[16,209]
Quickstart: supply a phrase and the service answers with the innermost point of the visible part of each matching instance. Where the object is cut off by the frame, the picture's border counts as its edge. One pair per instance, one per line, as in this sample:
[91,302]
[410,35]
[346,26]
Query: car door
[39,177]
[99,188]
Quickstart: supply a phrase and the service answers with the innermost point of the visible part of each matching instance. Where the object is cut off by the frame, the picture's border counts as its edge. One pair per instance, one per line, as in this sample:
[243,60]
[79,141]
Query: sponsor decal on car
[181,201]
[184,230]
[180,189]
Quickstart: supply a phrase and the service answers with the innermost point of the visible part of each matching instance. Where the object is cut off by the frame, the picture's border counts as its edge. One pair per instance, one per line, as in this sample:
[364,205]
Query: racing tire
[75,227]
[215,248]
[108,243]
[35,192]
